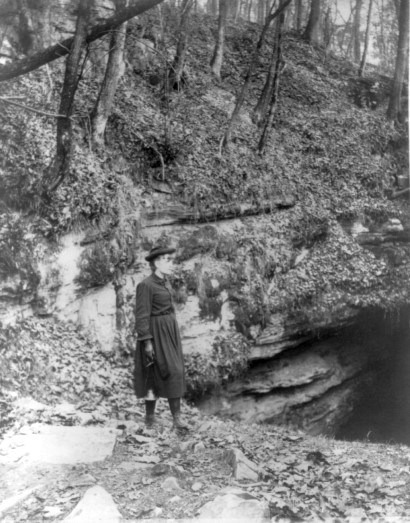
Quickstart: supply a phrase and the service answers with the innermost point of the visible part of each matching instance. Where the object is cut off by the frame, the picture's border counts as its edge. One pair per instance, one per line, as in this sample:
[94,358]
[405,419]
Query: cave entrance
[382,411]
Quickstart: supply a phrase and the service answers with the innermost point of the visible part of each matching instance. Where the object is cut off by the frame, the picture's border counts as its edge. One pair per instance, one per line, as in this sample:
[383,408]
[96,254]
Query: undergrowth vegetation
[228,361]
[17,245]
[323,146]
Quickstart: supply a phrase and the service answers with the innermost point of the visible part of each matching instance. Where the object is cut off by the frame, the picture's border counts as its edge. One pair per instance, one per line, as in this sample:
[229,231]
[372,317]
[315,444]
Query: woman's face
[165,264]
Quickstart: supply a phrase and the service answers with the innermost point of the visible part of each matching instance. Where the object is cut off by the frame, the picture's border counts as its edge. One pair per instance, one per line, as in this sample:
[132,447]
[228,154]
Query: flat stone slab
[59,445]
[232,507]
[96,505]
[17,498]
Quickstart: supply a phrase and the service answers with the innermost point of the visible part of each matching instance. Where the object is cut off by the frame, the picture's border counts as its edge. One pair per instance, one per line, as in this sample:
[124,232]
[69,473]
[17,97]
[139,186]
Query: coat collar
[157,279]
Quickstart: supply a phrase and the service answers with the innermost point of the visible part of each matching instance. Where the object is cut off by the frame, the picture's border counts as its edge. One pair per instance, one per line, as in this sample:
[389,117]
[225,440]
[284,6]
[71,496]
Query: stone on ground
[243,468]
[97,506]
[8,503]
[231,507]
[171,484]
[59,445]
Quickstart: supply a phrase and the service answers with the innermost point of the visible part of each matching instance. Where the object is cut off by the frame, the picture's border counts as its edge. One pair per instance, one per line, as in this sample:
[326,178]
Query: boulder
[232,507]
[97,506]
[171,484]
[243,468]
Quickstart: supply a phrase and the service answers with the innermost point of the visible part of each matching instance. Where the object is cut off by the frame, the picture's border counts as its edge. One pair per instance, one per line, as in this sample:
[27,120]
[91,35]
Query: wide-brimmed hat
[158,250]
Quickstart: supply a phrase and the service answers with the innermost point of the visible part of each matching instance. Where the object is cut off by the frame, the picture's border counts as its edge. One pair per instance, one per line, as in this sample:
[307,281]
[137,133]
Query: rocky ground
[118,469]
[73,441]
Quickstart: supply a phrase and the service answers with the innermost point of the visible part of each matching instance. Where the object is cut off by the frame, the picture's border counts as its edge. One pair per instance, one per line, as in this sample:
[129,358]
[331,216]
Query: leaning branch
[27,108]
[62,48]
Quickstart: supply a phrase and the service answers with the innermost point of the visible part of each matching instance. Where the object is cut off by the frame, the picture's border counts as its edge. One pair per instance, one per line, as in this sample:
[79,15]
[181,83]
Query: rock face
[228,288]
[313,387]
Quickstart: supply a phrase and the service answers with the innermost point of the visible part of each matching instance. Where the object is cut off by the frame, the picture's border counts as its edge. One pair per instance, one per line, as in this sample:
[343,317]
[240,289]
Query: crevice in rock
[325,384]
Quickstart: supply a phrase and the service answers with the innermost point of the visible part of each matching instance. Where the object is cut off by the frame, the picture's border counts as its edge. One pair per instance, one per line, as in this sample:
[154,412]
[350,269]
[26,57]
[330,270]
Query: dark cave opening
[382,410]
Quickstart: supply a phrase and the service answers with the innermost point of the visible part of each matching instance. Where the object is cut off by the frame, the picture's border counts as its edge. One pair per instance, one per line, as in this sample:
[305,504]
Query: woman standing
[159,365]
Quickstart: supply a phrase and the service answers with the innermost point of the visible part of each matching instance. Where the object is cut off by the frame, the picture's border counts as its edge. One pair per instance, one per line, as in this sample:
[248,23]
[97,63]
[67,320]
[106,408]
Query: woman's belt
[164,313]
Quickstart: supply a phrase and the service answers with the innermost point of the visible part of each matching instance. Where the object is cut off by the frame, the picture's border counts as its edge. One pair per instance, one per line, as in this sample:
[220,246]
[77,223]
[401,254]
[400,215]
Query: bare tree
[178,64]
[274,87]
[401,61]
[298,14]
[266,95]
[25,27]
[356,31]
[106,95]
[254,58]
[311,33]
[217,58]
[348,29]
[61,163]
[366,40]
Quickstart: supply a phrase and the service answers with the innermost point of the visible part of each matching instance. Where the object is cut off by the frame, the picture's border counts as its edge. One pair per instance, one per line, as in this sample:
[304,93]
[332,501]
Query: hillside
[337,163]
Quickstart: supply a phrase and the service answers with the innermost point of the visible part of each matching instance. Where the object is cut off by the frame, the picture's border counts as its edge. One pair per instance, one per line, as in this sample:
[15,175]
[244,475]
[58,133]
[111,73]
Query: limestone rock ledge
[313,387]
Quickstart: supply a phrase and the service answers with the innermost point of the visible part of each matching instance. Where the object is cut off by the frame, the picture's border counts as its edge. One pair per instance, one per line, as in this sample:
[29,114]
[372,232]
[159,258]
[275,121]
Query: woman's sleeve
[143,311]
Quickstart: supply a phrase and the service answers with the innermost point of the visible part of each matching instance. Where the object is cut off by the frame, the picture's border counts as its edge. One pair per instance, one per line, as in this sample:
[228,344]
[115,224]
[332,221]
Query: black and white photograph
[204,261]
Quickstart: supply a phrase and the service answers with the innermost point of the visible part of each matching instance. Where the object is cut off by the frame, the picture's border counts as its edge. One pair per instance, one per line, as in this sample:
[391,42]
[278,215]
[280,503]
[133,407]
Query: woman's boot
[150,414]
[178,424]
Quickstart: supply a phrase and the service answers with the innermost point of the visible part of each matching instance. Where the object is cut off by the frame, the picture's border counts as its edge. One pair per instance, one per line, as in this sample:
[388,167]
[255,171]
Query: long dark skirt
[167,376]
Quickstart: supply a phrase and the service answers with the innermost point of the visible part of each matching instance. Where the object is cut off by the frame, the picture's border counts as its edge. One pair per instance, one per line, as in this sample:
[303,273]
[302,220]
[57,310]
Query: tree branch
[27,108]
[60,49]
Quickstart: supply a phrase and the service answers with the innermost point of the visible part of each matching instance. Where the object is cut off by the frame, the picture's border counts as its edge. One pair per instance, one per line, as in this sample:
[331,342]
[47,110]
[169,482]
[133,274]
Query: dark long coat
[155,320]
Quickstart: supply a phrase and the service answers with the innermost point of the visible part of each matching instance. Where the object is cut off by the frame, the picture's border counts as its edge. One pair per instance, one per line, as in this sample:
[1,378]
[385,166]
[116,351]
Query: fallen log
[397,194]
[377,238]
[177,214]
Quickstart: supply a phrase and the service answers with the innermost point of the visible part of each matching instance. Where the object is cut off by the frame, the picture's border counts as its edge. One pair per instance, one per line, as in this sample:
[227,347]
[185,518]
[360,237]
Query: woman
[159,365]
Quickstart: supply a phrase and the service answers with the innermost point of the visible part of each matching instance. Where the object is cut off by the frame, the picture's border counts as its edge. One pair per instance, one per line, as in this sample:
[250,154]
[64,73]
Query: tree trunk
[62,48]
[342,41]
[311,33]
[279,65]
[61,163]
[382,41]
[254,58]
[112,75]
[298,15]
[261,11]
[177,68]
[211,7]
[26,31]
[266,95]
[237,10]
[366,39]
[356,31]
[217,58]
[397,8]
[401,61]
[33,29]
[249,10]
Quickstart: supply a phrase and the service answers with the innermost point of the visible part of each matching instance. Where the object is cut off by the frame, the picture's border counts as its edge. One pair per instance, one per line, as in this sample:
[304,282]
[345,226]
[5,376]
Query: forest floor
[158,474]
[62,379]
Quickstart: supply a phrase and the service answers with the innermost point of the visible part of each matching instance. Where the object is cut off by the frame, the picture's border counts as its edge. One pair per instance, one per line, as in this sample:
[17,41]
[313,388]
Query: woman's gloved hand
[149,350]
